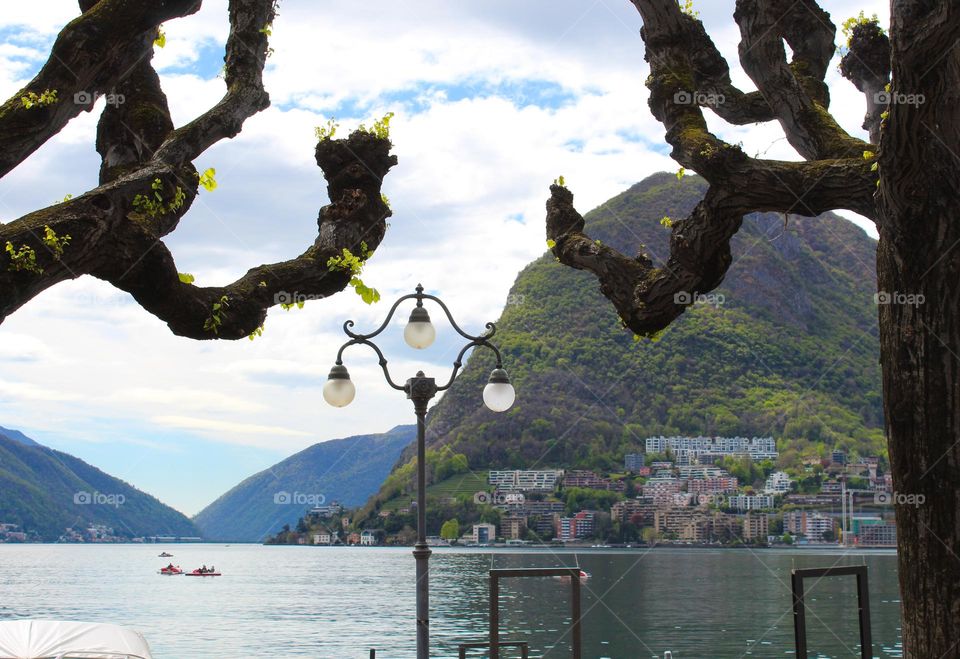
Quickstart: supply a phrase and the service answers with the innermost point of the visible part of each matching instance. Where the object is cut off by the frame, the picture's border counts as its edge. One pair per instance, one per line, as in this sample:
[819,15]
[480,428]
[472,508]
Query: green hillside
[787,347]
[45,491]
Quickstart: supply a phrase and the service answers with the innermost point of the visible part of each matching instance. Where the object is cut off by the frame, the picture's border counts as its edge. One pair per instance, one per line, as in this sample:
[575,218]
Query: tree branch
[115,241]
[867,66]
[94,52]
[148,183]
[681,57]
[796,92]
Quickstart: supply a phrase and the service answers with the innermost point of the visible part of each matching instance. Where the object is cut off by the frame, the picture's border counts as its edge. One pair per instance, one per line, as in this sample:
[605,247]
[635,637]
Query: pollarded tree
[147,180]
[904,179]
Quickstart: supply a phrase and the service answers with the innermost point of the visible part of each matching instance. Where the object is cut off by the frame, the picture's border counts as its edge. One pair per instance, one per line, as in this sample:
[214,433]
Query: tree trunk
[918,265]
[920,352]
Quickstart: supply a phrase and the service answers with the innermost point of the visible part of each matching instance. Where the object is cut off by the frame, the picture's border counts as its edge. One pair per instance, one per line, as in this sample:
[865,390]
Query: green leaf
[186,277]
[208,180]
[161,40]
[551,243]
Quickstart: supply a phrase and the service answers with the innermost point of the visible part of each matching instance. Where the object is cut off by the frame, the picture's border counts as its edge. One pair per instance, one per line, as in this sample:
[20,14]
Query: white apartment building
[745,502]
[688,449]
[522,480]
[778,483]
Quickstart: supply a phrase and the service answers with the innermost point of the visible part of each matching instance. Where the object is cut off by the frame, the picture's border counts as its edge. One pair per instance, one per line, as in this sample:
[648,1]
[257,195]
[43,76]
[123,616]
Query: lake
[336,603]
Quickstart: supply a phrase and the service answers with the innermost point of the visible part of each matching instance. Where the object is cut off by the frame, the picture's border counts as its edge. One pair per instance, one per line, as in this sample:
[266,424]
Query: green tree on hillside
[450,530]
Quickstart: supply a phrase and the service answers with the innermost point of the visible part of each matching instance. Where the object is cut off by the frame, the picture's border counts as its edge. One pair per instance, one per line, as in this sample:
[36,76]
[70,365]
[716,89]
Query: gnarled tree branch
[148,183]
[684,63]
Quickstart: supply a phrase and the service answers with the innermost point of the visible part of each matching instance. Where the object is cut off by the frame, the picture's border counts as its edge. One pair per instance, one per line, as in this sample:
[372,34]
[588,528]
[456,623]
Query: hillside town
[708,491]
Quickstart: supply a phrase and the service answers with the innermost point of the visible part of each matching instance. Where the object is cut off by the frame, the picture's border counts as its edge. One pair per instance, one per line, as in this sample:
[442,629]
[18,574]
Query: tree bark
[918,266]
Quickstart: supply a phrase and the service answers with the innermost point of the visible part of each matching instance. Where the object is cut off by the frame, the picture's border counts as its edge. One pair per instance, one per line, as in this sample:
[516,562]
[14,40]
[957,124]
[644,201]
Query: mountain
[17,436]
[45,491]
[347,471]
[786,347]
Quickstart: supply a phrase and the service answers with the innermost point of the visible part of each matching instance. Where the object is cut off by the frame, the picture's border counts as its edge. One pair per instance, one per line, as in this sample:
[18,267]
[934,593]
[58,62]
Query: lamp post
[498,395]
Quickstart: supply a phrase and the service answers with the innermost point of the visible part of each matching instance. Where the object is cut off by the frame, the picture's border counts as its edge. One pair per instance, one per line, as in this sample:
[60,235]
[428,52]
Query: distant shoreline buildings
[694,450]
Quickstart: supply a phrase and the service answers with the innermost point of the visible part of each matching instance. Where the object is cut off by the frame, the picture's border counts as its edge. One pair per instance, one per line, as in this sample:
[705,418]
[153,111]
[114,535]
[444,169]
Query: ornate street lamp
[498,395]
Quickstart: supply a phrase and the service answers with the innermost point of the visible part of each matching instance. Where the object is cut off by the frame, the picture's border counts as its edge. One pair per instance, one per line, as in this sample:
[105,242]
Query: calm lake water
[337,603]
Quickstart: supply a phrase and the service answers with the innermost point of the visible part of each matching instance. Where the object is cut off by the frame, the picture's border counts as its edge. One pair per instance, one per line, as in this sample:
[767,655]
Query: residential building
[812,525]
[661,464]
[526,481]
[626,511]
[878,535]
[717,485]
[353,538]
[673,520]
[483,533]
[591,480]
[745,502]
[838,456]
[324,538]
[818,525]
[813,499]
[327,510]
[659,487]
[513,528]
[632,462]
[578,526]
[756,527]
[778,483]
[700,471]
[831,487]
[544,525]
[688,450]
[368,537]
[542,508]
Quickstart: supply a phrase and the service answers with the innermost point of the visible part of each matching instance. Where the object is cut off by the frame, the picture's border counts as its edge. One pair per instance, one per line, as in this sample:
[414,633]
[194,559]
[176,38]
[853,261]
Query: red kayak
[198,573]
[170,570]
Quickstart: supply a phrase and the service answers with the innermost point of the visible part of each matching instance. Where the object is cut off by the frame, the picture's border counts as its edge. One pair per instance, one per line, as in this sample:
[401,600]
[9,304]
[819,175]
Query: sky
[492,101]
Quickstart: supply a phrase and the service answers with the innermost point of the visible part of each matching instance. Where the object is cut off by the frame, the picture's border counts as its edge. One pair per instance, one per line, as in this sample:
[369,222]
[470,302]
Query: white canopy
[53,639]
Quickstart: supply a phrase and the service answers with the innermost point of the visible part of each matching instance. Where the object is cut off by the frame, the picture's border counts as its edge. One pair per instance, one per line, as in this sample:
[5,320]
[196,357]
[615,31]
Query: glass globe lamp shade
[419,332]
[339,389]
[499,394]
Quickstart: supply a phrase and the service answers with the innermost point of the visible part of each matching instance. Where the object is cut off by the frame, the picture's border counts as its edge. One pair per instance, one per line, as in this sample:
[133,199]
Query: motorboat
[57,639]
[171,570]
[165,555]
[201,573]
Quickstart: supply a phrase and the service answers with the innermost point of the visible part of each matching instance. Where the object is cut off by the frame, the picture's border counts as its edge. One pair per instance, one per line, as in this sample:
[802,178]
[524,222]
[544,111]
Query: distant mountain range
[787,347]
[45,491]
[347,471]
[17,436]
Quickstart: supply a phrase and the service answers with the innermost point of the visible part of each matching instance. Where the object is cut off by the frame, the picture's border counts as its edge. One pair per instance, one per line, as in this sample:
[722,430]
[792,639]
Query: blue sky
[492,102]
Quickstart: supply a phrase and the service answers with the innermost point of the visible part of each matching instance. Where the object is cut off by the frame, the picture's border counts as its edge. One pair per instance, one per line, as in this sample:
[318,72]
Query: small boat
[24,639]
[165,555]
[583,575]
[171,569]
[200,573]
